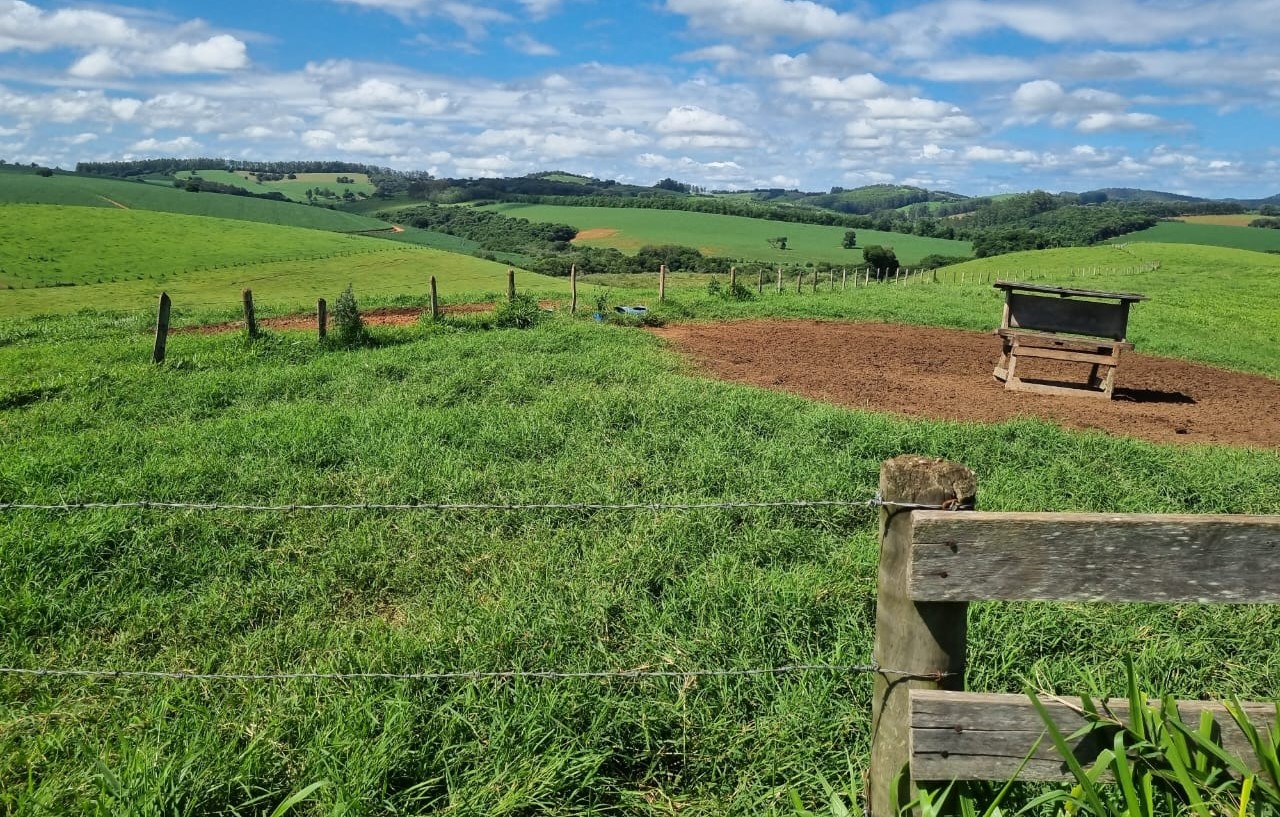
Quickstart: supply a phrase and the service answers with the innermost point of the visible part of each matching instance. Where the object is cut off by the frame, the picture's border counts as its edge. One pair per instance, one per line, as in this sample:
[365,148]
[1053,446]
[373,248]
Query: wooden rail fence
[933,563]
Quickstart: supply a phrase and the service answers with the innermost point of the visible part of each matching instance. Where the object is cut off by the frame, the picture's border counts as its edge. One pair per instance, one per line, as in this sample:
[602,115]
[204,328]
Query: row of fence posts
[322,313]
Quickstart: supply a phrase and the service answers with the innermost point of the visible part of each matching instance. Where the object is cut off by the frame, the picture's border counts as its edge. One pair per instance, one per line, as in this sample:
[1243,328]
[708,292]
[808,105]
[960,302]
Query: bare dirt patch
[383,316]
[946,374]
[595,234]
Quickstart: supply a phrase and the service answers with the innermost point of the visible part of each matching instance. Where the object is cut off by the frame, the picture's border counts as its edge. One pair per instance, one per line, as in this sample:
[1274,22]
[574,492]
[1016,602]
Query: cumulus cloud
[27,27]
[182,145]
[527,45]
[797,19]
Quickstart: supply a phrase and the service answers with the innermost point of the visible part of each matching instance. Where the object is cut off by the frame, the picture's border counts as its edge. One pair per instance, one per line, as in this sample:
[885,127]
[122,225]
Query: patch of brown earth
[946,374]
[598,232]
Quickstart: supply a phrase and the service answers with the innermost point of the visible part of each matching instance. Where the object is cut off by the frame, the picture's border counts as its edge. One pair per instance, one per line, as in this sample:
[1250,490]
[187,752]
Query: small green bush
[715,288]
[520,313]
[348,325]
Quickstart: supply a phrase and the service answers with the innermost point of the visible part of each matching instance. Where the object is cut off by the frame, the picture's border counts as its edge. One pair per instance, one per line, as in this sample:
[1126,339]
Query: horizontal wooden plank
[1083,390]
[1068,291]
[1105,357]
[972,736]
[1048,314]
[1095,557]
[1048,340]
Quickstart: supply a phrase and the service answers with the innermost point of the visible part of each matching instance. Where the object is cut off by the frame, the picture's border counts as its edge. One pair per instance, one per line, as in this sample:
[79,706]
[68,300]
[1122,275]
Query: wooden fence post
[733,278]
[250,322]
[921,638]
[800,281]
[844,278]
[831,280]
[573,289]
[322,317]
[511,285]
[662,282]
[435,300]
[814,288]
[779,280]
[162,329]
[760,281]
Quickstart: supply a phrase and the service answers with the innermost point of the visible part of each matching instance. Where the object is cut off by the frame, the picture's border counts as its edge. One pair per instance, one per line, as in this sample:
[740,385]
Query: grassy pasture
[205,263]
[1235,220]
[1218,235]
[572,410]
[733,236]
[295,189]
[88,191]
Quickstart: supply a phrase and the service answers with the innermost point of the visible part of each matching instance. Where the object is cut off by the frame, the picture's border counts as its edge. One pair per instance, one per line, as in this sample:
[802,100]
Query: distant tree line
[195,184]
[167,166]
[492,231]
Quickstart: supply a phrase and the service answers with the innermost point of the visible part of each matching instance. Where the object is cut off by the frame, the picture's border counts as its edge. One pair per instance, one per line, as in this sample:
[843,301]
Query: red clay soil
[383,316]
[946,374]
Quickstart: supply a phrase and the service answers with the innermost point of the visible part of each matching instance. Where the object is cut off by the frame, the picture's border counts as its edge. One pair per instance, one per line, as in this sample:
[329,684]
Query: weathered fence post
[814,289]
[250,322]
[162,329]
[511,285]
[573,289]
[435,300]
[831,280]
[844,278]
[760,281]
[779,280]
[733,278]
[919,638]
[662,282]
[799,280]
[322,317]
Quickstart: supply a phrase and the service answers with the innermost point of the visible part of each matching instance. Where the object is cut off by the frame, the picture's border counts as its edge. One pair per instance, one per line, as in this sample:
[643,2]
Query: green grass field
[571,410]
[122,260]
[295,189]
[732,236]
[1217,235]
[87,191]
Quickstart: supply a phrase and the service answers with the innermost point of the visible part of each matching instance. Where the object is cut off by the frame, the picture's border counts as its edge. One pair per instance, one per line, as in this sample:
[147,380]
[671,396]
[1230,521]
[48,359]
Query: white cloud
[798,19]
[858,86]
[1107,121]
[218,53]
[181,146]
[527,45]
[26,27]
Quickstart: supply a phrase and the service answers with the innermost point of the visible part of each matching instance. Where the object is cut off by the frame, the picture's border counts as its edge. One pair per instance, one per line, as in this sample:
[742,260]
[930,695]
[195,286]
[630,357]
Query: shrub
[715,288]
[348,325]
[739,292]
[520,313]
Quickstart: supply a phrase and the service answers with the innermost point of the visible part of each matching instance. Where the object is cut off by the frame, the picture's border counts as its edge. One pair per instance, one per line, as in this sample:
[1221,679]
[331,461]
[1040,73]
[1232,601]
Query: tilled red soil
[946,374]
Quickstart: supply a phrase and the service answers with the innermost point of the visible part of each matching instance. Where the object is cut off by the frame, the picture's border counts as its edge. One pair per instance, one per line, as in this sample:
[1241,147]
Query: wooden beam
[1095,557]
[970,736]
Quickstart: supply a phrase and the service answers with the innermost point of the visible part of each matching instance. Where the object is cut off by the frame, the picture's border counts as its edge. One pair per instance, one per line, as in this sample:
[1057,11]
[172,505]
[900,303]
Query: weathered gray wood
[162,329]
[250,322]
[921,638]
[435,300]
[1046,314]
[969,736]
[799,281]
[573,289]
[1047,353]
[1095,557]
[1068,292]
[733,278]
[662,282]
[322,317]
[511,285]
[1018,384]
[779,280]
[760,281]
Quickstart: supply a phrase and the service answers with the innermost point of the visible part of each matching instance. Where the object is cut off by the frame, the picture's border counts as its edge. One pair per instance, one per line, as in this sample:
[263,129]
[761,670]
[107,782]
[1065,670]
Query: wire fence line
[500,675]
[208,507]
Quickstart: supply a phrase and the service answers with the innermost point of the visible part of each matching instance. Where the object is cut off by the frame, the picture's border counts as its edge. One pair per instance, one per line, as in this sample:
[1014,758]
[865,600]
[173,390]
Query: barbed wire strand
[501,675]
[152,505]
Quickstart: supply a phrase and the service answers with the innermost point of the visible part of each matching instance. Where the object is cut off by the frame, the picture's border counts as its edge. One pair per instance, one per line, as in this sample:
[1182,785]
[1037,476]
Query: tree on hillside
[779,242]
[850,239]
[880,258]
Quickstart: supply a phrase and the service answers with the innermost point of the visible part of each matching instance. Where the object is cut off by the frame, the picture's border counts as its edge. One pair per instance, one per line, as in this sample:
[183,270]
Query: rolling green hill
[88,191]
[732,236]
[295,188]
[117,259]
[1216,235]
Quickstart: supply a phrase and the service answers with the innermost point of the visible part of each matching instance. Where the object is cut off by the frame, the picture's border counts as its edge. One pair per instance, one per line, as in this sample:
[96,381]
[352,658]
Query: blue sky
[976,96]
